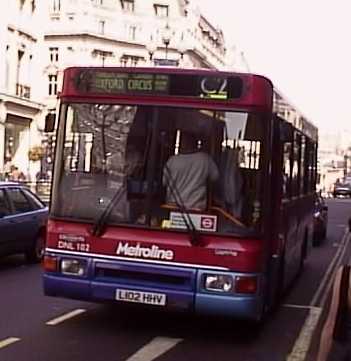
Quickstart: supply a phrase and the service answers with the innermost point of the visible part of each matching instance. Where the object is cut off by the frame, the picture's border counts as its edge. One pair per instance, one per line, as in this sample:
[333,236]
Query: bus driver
[185,175]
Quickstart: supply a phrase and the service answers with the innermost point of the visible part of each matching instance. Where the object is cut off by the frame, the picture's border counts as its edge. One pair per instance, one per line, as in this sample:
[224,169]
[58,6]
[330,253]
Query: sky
[303,46]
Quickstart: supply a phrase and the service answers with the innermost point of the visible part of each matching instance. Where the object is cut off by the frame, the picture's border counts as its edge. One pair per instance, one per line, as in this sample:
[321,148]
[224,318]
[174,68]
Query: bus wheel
[303,252]
[264,311]
[36,253]
[279,293]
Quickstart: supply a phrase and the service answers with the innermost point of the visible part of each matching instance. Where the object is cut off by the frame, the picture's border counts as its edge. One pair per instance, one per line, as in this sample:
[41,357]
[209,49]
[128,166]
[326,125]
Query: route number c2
[209,86]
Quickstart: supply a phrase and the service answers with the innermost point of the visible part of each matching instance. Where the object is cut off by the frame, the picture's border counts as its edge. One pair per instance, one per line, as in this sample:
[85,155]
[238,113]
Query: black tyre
[36,253]
[303,254]
[279,291]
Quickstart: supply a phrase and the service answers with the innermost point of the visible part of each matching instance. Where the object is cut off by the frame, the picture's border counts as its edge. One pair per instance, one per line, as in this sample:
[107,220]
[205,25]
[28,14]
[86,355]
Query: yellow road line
[331,269]
[302,343]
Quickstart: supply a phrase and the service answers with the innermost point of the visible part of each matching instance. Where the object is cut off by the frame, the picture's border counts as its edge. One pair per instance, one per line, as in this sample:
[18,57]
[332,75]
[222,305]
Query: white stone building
[40,38]
[128,33]
[21,106]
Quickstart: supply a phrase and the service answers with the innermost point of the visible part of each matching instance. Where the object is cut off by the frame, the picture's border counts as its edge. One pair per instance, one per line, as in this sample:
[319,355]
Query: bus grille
[145,275]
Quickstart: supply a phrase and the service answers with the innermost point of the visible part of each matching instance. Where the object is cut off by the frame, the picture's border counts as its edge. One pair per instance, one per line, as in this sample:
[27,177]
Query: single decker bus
[225,237]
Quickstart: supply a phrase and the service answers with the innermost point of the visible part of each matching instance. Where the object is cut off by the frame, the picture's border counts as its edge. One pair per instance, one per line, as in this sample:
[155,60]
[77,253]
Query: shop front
[21,135]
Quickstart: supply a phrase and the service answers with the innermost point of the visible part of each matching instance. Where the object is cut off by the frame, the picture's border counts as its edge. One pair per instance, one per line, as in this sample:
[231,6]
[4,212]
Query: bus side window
[296,162]
[287,170]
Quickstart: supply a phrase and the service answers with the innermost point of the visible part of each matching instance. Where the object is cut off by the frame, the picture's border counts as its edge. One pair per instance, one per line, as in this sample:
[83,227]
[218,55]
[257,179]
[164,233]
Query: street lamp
[151,47]
[166,37]
[347,156]
[182,46]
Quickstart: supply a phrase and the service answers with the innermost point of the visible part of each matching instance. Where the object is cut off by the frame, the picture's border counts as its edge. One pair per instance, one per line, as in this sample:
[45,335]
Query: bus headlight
[73,267]
[219,283]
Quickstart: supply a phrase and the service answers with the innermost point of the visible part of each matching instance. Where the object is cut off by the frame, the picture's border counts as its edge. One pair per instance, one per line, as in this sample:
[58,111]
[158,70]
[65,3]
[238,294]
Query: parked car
[320,219]
[342,189]
[23,219]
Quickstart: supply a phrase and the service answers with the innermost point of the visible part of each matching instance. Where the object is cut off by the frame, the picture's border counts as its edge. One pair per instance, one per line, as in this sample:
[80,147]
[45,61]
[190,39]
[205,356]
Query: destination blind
[189,85]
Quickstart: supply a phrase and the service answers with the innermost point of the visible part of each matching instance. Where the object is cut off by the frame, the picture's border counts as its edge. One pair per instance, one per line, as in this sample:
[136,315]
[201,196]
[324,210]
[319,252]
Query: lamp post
[151,47]
[166,37]
[347,156]
[182,46]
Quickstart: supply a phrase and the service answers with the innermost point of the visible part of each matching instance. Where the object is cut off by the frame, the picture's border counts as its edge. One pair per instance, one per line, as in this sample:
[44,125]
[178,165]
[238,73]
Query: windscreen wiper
[194,236]
[99,225]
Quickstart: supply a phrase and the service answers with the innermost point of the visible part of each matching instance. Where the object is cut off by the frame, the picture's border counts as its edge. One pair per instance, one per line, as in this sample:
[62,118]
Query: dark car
[23,219]
[320,220]
[342,189]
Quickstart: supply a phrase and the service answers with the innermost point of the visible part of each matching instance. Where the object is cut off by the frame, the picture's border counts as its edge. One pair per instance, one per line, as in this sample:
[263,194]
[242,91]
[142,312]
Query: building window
[52,84]
[101,27]
[102,56]
[19,71]
[132,32]
[131,60]
[54,55]
[127,5]
[55,6]
[161,10]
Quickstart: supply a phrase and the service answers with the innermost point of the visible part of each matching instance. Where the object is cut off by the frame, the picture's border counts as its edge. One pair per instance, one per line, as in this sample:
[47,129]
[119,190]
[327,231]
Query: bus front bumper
[185,294]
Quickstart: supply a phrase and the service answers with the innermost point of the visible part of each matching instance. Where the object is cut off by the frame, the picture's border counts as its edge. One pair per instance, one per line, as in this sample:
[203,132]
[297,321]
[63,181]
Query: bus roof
[287,111]
[168,85]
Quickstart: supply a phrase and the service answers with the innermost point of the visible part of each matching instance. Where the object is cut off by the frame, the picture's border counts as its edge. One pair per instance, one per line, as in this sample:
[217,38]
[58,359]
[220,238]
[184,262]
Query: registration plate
[149,298]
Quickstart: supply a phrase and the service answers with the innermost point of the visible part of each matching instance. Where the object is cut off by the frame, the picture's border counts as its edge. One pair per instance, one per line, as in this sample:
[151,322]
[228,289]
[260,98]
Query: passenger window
[4,205]
[19,201]
[36,203]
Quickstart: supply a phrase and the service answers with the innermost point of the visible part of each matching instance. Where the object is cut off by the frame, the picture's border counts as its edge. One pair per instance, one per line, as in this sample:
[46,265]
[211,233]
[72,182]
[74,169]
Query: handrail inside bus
[212,208]
[229,216]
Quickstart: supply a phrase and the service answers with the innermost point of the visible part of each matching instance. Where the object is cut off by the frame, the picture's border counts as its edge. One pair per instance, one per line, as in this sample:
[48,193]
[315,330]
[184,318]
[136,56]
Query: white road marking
[8,341]
[304,307]
[303,342]
[155,348]
[65,317]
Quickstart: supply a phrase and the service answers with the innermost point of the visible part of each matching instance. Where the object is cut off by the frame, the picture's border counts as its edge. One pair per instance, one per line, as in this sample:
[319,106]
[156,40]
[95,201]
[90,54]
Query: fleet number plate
[150,298]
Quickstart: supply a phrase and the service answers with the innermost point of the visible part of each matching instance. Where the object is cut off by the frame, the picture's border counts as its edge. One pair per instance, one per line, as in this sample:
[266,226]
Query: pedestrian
[16,174]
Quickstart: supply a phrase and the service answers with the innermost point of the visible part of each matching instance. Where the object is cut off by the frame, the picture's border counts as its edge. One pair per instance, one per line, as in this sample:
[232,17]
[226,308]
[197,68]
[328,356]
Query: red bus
[130,223]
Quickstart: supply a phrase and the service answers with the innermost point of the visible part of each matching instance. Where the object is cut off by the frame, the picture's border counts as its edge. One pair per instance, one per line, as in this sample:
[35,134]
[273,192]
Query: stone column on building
[3,47]
[12,70]
[2,135]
